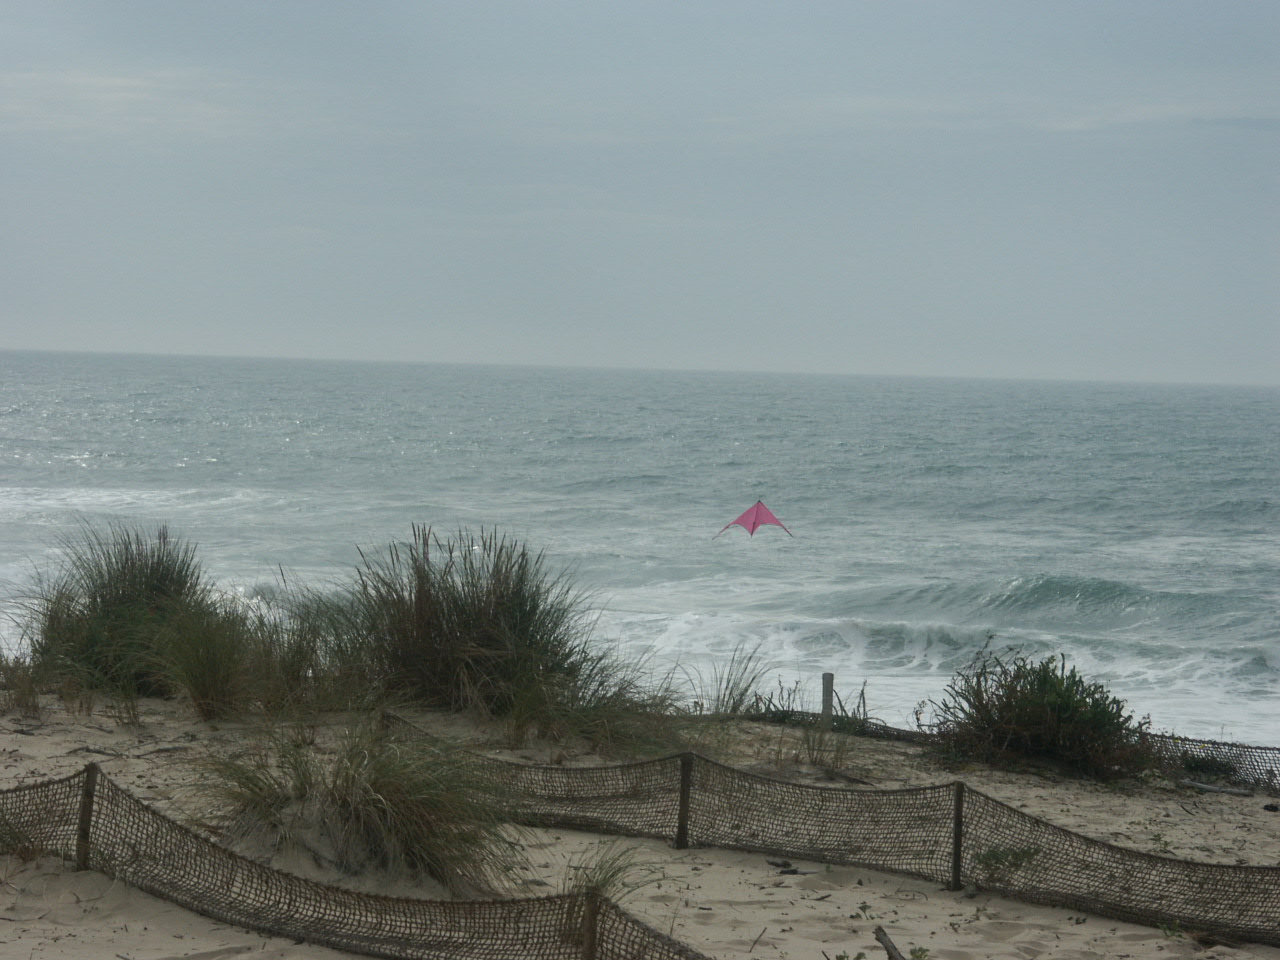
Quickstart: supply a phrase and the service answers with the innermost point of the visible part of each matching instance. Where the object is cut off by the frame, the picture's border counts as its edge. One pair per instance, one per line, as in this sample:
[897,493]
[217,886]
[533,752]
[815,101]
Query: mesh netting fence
[950,834]
[88,818]
[1240,764]
[1246,766]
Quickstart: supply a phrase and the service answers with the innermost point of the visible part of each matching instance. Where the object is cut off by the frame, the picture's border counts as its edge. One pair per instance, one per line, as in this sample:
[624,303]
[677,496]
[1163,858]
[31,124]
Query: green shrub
[374,800]
[1003,708]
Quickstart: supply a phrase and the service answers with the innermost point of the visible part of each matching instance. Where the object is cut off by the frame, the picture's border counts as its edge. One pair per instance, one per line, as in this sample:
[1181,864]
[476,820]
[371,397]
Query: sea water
[1131,527]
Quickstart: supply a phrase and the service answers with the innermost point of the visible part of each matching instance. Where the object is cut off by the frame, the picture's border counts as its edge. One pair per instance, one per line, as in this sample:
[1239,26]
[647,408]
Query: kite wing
[753,518]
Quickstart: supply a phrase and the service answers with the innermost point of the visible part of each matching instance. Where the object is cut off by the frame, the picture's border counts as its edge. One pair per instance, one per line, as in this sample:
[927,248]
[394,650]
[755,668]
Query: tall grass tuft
[734,686]
[612,870]
[1002,709]
[206,650]
[98,616]
[373,800]
[472,622]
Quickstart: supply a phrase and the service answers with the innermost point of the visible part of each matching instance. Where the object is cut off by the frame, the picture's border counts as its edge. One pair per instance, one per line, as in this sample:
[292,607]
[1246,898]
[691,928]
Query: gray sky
[1083,190]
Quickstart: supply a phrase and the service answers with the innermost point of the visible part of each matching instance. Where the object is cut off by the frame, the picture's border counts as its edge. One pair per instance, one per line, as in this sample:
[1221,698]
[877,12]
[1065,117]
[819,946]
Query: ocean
[1131,527]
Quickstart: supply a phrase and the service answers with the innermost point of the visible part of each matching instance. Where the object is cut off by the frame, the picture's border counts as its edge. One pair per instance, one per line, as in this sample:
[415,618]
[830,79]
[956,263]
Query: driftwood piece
[889,947]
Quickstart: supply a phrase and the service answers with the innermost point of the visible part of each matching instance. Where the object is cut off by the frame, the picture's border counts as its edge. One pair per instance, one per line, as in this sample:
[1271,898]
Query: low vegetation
[1011,708]
[370,799]
[477,623]
[98,617]
[473,623]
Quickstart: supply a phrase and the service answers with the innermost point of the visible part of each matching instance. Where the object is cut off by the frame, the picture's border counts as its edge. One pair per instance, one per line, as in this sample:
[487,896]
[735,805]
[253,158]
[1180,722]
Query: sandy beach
[723,903]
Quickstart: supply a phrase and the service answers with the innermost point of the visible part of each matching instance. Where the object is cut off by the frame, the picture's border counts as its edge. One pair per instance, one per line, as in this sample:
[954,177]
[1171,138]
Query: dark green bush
[1003,709]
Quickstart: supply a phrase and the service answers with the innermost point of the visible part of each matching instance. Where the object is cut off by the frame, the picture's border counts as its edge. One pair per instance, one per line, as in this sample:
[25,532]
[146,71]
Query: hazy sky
[1084,190]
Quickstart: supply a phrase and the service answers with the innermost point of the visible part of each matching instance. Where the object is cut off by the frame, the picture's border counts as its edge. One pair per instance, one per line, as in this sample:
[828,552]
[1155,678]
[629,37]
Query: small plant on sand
[611,870]
[1001,709]
[734,684]
[997,864]
[373,800]
[16,841]
[827,751]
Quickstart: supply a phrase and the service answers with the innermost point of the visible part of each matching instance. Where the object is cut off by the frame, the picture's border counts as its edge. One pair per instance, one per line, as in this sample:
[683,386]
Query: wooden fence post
[957,837]
[590,925]
[686,792]
[83,849]
[828,699]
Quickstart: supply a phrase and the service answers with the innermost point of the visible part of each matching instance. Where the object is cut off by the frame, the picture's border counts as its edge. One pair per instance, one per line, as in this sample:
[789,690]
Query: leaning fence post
[86,816]
[957,836]
[686,791]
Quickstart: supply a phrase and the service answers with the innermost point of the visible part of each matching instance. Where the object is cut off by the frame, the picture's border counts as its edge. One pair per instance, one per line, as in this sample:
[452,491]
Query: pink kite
[755,518]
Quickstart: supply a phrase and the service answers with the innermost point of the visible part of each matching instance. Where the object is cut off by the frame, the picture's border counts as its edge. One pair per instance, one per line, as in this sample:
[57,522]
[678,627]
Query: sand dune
[724,903]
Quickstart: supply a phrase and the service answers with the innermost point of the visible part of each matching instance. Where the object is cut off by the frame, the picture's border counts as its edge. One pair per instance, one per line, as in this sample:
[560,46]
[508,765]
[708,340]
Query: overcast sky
[1082,190]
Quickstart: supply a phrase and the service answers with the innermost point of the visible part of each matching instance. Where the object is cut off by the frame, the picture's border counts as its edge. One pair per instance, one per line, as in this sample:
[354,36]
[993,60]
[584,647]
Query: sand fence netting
[89,819]
[950,834]
[1011,852]
[1254,767]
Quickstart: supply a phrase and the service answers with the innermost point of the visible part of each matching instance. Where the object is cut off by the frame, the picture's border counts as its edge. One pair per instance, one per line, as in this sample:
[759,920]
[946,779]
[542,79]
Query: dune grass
[20,685]
[468,623]
[472,622]
[368,800]
[100,615]
[611,869]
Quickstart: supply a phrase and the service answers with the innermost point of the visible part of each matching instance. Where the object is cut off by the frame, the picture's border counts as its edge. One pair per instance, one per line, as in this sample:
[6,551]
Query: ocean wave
[1093,600]
[1240,510]
[1084,594]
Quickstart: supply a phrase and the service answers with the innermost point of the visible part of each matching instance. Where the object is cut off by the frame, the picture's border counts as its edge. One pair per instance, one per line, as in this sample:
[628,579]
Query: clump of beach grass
[609,871]
[371,800]
[20,685]
[466,623]
[207,651]
[97,616]
[130,613]
[1010,708]
[612,870]
[734,686]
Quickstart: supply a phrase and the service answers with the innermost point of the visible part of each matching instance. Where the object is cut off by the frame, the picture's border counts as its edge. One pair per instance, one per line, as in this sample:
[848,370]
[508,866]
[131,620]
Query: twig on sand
[1210,788]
